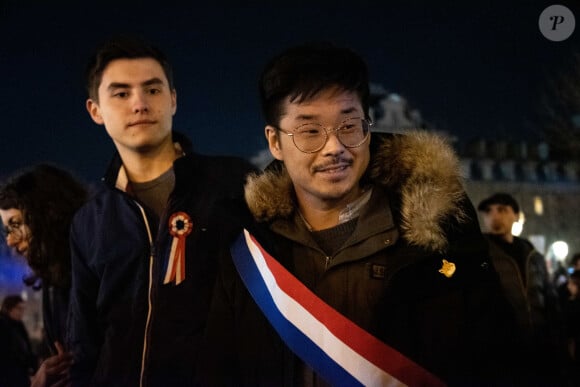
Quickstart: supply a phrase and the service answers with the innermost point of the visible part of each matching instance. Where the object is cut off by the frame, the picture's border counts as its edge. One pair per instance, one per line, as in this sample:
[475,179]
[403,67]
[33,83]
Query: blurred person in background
[36,207]
[17,361]
[571,308]
[526,283]
[563,289]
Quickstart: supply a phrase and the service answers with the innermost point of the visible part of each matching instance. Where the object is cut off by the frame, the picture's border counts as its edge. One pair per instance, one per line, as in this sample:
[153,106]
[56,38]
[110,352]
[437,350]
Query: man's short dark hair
[122,47]
[499,198]
[303,71]
[10,302]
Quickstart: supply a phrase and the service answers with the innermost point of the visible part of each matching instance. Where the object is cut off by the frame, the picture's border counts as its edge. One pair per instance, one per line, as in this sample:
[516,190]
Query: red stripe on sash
[362,342]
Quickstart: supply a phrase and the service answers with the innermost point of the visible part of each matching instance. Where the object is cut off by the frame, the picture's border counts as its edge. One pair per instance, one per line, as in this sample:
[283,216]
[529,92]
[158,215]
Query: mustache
[335,162]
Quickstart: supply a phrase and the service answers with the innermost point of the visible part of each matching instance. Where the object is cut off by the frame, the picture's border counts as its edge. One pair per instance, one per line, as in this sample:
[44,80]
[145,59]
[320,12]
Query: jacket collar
[419,168]
[116,176]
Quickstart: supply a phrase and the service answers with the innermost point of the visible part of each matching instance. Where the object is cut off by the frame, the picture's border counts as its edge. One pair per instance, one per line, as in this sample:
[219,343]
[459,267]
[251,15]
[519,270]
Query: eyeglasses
[14,228]
[311,137]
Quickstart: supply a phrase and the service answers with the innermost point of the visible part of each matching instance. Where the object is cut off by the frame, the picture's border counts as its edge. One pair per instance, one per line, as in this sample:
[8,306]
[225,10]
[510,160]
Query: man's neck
[507,238]
[146,166]
[322,215]
[320,218]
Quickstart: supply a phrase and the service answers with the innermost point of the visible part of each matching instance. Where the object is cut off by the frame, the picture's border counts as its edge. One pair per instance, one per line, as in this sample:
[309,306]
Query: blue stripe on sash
[299,343]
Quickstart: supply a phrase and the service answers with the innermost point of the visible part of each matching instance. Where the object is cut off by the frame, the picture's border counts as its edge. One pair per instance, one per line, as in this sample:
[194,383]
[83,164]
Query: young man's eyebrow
[121,85]
[117,85]
[152,81]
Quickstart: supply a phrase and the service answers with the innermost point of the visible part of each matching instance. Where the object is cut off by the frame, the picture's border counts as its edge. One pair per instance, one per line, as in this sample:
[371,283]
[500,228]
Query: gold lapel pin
[448,269]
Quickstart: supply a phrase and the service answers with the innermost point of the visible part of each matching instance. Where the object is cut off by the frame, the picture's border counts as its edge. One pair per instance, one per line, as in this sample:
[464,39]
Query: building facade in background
[548,191]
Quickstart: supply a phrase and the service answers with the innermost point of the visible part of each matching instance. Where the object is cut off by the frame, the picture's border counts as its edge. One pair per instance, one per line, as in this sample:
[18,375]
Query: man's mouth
[141,122]
[335,167]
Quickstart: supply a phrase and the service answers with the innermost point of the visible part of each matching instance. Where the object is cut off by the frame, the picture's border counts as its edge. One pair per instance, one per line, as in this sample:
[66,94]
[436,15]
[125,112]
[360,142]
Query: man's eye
[348,128]
[121,94]
[309,130]
[154,91]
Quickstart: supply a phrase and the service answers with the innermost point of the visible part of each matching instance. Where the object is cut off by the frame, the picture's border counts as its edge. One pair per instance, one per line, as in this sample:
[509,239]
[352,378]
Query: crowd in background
[182,269]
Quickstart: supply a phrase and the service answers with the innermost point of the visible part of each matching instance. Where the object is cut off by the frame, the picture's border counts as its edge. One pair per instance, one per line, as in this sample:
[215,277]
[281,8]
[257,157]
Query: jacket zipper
[145,342]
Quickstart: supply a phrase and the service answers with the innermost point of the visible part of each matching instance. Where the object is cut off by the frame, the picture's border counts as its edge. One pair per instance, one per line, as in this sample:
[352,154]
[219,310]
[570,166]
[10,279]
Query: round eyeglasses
[14,229]
[311,137]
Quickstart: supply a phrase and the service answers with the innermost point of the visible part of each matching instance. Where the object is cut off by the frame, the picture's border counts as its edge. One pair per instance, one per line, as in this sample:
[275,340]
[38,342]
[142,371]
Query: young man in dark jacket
[363,261]
[144,249]
[526,284]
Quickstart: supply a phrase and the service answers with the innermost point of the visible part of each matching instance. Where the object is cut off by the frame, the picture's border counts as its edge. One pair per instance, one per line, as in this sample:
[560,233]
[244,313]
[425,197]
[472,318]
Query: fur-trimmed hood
[420,167]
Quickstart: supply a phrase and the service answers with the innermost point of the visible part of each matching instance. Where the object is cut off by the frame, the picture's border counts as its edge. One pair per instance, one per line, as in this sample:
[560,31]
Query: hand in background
[54,371]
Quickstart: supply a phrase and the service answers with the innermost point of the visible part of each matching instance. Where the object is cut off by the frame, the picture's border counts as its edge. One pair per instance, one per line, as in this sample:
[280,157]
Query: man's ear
[173,102]
[94,111]
[274,144]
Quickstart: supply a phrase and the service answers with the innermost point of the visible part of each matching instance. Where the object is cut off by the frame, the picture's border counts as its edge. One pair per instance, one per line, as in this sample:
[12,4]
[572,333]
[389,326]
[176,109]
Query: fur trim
[423,169]
[420,167]
[269,195]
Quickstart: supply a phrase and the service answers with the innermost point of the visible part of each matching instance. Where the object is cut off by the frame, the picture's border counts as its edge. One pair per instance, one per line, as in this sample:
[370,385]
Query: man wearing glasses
[361,262]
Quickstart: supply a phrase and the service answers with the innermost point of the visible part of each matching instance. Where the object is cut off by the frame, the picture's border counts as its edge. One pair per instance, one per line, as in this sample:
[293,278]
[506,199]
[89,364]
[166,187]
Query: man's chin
[337,195]
[146,147]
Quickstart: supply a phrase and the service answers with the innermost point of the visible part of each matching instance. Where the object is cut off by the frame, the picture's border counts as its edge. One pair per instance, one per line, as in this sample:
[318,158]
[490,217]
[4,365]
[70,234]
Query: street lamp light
[560,250]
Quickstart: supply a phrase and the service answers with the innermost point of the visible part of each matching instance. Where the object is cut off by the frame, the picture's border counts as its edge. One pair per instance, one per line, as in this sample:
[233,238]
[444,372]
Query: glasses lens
[12,229]
[353,132]
[309,137]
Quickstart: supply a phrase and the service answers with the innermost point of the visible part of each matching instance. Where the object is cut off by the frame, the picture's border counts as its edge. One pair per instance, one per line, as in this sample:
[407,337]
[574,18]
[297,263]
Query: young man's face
[135,104]
[17,233]
[572,288]
[329,177]
[17,313]
[499,218]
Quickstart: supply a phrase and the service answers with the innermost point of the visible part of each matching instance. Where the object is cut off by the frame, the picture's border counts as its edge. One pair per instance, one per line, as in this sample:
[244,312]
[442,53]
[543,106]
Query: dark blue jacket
[126,326]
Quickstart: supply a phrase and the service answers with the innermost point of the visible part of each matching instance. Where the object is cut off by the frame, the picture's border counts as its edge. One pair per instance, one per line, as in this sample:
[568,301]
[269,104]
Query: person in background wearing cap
[527,286]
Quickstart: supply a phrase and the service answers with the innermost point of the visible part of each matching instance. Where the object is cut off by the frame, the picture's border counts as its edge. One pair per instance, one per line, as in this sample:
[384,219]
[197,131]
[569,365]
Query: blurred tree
[560,112]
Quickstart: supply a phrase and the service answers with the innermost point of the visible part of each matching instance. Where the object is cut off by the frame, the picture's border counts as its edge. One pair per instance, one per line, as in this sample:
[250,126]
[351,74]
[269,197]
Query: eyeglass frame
[326,133]
[14,228]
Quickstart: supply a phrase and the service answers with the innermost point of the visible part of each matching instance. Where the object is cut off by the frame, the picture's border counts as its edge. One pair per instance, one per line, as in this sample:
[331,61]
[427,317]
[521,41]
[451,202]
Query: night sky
[472,70]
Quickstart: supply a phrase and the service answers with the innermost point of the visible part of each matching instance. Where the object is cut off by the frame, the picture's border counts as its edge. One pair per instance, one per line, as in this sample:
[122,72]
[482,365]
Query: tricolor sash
[337,349]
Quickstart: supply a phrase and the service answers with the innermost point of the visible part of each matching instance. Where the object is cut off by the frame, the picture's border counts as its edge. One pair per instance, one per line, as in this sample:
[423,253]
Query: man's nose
[140,103]
[333,144]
